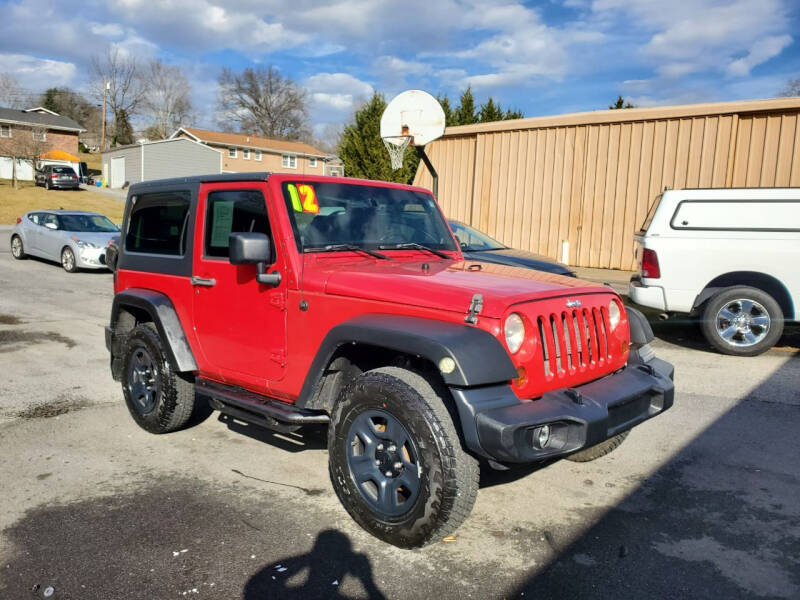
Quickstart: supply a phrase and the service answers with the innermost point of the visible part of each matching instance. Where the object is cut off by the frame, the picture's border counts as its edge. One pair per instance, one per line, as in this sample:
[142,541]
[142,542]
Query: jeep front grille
[572,340]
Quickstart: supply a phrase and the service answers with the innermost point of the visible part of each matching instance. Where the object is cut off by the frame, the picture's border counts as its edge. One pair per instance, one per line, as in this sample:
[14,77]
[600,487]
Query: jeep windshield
[330,217]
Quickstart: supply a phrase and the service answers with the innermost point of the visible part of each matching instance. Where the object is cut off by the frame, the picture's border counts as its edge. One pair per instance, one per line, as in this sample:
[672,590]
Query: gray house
[159,160]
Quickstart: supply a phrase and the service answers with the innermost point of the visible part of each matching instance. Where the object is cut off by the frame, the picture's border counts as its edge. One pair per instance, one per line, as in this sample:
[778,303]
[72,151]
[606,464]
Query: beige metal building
[587,179]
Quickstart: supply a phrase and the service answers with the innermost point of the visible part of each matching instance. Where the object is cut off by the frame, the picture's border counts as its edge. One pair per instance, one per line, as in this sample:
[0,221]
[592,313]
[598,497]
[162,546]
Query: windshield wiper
[342,247]
[415,246]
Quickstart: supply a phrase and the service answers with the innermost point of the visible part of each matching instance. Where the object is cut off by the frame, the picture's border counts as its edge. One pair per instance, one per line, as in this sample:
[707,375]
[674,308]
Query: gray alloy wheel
[142,380]
[68,260]
[742,322]
[17,249]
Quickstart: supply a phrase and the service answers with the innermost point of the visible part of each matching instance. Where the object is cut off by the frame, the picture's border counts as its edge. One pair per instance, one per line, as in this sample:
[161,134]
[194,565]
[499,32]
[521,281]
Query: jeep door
[240,323]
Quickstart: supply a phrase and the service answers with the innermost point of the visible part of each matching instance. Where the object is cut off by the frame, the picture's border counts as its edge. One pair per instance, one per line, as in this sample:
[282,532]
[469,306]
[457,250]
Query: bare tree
[792,88]
[167,101]
[26,144]
[125,86]
[12,95]
[261,100]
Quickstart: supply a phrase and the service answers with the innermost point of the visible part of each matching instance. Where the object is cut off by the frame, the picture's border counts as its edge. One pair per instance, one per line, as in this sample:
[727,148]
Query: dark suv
[57,177]
[294,300]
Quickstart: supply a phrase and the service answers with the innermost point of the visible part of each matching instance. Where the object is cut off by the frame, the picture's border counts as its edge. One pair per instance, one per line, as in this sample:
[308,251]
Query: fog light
[541,436]
[447,365]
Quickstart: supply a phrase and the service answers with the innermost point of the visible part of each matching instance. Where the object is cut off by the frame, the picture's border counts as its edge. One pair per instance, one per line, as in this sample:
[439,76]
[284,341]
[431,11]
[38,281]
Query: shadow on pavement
[721,519]
[317,574]
[308,438]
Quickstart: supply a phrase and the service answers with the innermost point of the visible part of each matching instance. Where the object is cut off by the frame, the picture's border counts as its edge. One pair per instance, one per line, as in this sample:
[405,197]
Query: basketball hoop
[396,147]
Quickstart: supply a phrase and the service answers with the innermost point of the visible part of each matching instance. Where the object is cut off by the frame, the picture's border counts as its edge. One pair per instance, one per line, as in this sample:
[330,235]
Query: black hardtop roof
[197,179]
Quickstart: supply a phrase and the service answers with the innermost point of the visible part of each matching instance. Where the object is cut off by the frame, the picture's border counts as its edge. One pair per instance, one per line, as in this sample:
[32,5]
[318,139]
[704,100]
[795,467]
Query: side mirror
[51,225]
[253,248]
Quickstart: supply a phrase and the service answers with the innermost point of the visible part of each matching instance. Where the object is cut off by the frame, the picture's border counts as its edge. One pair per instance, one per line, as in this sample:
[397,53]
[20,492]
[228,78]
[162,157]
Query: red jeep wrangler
[289,300]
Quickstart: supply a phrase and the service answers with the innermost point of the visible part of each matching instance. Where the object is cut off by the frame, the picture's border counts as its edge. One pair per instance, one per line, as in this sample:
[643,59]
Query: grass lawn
[13,203]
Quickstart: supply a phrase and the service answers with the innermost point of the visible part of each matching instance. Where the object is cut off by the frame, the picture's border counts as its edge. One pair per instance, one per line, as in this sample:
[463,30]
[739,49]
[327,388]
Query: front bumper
[89,258]
[500,427]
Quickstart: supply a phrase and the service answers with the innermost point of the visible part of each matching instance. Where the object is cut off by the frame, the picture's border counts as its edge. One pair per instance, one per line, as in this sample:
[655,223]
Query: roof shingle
[251,141]
[34,118]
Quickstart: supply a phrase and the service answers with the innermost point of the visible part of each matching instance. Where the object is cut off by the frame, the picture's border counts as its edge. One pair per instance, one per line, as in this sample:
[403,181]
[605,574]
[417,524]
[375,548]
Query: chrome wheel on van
[742,322]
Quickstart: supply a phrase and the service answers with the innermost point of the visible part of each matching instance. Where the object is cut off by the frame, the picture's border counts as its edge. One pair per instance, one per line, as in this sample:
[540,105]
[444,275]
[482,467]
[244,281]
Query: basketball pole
[421,153]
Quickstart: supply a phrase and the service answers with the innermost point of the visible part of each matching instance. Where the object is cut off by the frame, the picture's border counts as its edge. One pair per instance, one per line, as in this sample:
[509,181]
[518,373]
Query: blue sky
[543,57]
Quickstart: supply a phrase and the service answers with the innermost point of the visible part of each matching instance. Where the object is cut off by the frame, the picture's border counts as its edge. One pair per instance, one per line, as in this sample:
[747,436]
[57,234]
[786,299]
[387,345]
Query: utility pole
[106,87]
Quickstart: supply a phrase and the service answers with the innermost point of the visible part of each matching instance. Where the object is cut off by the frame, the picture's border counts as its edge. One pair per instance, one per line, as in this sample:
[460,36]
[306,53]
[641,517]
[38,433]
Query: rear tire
[415,484]
[600,449]
[17,248]
[742,321]
[158,399]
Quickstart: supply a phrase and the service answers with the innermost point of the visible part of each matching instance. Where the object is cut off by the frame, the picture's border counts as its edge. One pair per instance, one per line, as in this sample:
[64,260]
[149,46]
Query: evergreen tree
[362,150]
[513,114]
[620,103]
[490,112]
[465,114]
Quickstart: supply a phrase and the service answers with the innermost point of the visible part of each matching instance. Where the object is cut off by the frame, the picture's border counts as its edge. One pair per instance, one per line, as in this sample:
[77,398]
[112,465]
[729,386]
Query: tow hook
[574,395]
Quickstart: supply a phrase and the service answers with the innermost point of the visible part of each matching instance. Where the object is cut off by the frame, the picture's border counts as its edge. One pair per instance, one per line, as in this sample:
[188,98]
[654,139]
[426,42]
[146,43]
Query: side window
[231,211]
[157,224]
[49,219]
[35,218]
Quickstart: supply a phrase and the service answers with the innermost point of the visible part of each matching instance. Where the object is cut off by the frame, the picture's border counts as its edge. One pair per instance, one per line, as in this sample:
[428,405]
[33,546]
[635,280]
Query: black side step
[244,404]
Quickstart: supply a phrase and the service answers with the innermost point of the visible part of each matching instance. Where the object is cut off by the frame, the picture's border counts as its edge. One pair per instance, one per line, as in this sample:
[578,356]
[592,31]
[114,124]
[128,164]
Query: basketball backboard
[412,113]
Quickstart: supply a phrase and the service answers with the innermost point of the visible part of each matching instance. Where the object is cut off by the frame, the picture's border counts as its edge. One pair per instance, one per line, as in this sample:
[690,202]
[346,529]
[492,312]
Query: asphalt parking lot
[703,501]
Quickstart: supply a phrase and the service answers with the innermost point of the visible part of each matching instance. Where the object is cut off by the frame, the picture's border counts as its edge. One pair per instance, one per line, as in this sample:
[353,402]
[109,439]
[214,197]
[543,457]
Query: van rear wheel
[742,321]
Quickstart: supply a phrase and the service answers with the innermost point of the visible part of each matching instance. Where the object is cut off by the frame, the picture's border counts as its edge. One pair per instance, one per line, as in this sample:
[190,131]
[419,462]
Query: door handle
[203,281]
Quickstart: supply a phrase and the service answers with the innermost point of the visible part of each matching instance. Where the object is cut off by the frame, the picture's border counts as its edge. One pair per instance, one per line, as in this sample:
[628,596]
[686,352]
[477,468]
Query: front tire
[600,449]
[68,260]
[396,460]
[17,248]
[159,400]
[742,321]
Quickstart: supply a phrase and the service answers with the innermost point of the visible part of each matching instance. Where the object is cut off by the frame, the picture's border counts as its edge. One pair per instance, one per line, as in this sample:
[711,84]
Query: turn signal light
[650,267]
[522,377]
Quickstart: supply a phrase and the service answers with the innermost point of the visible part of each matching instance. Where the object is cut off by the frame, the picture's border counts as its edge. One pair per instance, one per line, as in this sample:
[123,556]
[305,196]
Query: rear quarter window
[157,224]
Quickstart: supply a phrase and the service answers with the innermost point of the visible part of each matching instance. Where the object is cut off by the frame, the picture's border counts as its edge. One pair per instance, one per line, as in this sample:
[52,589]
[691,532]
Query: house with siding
[164,159]
[51,130]
[242,153]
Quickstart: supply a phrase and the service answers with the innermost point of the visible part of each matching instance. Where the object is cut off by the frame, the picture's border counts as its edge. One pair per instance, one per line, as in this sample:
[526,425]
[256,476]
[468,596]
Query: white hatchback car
[729,256]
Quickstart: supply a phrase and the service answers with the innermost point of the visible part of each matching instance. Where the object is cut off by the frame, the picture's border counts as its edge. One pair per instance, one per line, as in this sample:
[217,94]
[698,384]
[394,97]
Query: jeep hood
[447,285]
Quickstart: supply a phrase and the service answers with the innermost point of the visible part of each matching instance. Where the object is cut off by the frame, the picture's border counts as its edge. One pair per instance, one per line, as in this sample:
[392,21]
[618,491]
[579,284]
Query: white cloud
[110,30]
[761,51]
[691,36]
[334,96]
[37,73]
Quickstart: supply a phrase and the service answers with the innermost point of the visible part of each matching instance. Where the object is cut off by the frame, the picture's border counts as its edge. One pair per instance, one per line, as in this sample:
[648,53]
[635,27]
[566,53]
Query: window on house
[258,154]
[5,131]
[334,173]
[246,154]
[231,152]
[289,161]
[39,136]
[312,162]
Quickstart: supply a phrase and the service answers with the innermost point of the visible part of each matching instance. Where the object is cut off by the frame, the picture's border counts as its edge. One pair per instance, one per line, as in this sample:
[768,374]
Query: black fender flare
[162,312]
[641,331]
[479,357]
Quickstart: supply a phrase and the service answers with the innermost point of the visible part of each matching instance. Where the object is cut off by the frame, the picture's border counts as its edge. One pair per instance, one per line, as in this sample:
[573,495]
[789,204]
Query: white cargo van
[729,256]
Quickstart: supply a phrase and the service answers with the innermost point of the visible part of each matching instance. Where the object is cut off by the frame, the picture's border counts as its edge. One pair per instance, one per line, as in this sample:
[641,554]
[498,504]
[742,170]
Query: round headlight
[514,330]
[613,314]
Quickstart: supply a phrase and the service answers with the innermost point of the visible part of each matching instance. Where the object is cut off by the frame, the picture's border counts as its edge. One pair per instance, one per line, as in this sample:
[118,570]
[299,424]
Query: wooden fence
[589,178]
